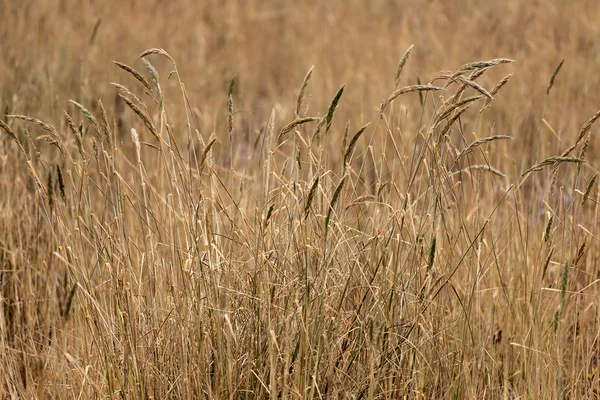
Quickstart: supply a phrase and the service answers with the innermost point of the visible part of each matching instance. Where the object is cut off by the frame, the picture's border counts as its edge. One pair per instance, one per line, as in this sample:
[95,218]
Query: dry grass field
[249,199]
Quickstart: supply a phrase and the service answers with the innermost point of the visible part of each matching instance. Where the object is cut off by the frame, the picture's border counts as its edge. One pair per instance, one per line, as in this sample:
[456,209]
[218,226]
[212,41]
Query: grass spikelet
[49,139]
[547,262]
[475,86]
[548,228]
[47,127]
[145,119]
[588,189]
[289,127]
[156,51]
[334,199]
[50,190]
[60,182]
[368,198]
[76,134]
[104,123]
[53,138]
[452,107]
[136,142]
[480,65]
[556,71]
[480,142]
[205,155]
[154,76]
[431,257]
[580,254]
[452,120]
[95,148]
[345,137]
[311,195]
[553,180]
[332,108]
[554,161]
[268,216]
[130,94]
[69,303]
[585,146]
[440,75]
[401,64]
[495,90]
[9,131]
[587,126]
[87,114]
[352,144]
[584,130]
[481,167]
[477,73]
[135,74]
[231,86]
[300,98]
[230,115]
[408,89]
[12,134]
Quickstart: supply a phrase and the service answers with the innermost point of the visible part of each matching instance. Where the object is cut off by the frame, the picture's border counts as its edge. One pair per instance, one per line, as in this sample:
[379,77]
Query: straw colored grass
[222,236]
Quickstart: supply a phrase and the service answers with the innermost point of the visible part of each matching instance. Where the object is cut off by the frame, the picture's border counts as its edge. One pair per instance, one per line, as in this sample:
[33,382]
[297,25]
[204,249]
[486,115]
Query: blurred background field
[414,271]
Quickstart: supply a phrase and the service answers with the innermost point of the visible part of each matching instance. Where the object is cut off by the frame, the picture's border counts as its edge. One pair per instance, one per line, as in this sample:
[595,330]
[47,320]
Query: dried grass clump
[254,246]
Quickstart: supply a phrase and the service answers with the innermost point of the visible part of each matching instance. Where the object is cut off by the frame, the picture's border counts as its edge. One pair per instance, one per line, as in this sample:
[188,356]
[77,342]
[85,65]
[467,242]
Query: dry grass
[216,226]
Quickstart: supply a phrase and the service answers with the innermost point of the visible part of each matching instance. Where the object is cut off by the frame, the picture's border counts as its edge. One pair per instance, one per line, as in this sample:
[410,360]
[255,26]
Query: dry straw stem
[302,90]
[135,74]
[401,64]
[289,127]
